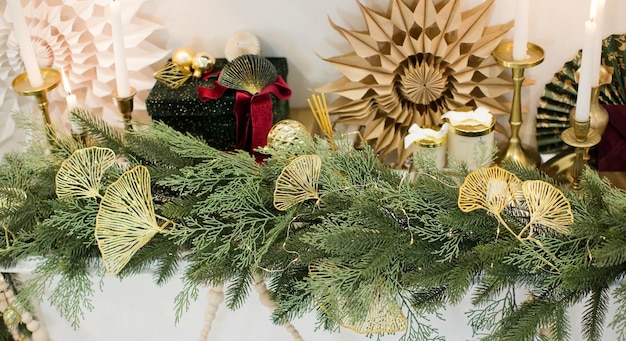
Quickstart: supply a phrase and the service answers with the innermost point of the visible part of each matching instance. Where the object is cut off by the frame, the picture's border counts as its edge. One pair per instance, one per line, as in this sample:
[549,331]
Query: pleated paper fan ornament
[242,43]
[298,182]
[251,73]
[126,220]
[548,206]
[559,96]
[80,175]
[415,62]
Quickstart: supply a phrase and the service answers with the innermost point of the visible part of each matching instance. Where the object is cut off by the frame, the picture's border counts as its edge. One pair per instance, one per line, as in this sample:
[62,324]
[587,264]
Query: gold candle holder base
[581,137]
[503,54]
[51,78]
[125,106]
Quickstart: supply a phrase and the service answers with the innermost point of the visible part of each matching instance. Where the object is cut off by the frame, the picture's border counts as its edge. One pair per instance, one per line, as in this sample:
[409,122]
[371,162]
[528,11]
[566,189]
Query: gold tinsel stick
[319,108]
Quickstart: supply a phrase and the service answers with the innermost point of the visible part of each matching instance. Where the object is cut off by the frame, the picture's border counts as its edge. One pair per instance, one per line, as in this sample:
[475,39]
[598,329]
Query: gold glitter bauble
[286,132]
[183,57]
[202,62]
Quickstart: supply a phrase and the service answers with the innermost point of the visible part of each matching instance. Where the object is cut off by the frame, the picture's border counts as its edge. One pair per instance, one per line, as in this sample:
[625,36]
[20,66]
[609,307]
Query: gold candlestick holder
[504,55]
[125,106]
[51,78]
[582,137]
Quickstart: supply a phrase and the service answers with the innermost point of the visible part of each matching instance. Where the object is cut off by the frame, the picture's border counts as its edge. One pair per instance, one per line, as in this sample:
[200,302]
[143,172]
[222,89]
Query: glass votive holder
[471,140]
[433,148]
[429,143]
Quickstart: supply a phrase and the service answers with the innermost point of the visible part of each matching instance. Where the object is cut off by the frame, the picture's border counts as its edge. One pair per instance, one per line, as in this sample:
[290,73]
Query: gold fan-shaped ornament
[80,175]
[415,62]
[126,220]
[548,206]
[250,72]
[297,182]
[492,189]
[172,75]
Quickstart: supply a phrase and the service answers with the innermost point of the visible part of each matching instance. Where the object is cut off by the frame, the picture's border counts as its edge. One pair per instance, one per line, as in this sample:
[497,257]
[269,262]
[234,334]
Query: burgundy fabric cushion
[612,148]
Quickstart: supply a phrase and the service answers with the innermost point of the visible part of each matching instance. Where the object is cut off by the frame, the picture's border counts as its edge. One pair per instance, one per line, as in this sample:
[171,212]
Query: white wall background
[299,30]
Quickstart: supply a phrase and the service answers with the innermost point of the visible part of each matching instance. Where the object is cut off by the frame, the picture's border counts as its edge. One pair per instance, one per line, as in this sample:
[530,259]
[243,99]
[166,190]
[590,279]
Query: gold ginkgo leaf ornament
[548,207]
[491,189]
[80,175]
[298,182]
[383,313]
[415,62]
[126,220]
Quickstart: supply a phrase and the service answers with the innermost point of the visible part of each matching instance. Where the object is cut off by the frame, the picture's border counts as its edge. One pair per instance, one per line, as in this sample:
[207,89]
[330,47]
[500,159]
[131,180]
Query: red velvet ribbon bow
[253,113]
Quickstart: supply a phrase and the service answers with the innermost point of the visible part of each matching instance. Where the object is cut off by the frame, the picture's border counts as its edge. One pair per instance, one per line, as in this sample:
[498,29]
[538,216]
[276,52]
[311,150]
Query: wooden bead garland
[215,298]
[8,301]
[266,300]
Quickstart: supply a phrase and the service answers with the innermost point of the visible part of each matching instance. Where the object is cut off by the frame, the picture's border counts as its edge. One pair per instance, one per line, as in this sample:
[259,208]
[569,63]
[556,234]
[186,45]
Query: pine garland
[374,233]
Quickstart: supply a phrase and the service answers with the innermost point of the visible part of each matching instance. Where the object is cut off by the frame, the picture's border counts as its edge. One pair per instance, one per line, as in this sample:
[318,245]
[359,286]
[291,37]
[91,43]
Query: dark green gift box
[212,120]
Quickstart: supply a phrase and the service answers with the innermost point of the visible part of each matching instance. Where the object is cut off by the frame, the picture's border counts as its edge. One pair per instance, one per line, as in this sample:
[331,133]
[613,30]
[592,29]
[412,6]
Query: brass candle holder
[582,137]
[504,55]
[125,106]
[51,78]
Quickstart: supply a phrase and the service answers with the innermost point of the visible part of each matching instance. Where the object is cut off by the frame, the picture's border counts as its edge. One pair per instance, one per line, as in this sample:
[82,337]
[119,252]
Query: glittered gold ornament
[183,57]
[202,62]
[249,73]
[286,133]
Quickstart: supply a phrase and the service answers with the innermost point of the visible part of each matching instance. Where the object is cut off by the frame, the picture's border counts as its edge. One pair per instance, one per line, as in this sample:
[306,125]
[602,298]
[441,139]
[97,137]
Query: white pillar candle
[597,14]
[26,47]
[121,71]
[520,33]
[583,99]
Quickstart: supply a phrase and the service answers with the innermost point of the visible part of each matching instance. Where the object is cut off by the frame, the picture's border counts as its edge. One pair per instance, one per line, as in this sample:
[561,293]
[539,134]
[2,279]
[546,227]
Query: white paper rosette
[76,35]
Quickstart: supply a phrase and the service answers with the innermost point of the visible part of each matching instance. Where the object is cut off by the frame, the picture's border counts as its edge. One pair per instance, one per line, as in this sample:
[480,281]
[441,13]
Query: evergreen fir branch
[418,328]
[97,128]
[486,319]
[238,290]
[618,323]
[185,297]
[595,314]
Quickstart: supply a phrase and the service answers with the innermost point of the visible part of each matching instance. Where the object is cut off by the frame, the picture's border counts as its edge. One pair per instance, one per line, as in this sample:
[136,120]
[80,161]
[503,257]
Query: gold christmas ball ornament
[286,133]
[183,57]
[202,62]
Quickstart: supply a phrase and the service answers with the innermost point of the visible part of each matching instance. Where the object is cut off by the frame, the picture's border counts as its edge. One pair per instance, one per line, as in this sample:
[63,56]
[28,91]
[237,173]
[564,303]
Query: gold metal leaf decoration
[126,220]
[80,175]
[10,198]
[492,189]
[250,72]
[297,182]
[417,61]
[172,75]
[548,206]
[382,313]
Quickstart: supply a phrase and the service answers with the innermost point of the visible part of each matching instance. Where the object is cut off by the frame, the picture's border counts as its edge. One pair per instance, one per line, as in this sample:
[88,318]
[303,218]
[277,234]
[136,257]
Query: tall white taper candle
[23,39]
[583,99]
[121,71]
[520,33]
